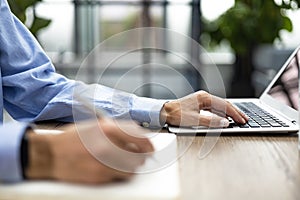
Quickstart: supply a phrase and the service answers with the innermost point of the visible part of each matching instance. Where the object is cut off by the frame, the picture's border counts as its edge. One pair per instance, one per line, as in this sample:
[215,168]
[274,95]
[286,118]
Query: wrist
[39,156]
[165,113]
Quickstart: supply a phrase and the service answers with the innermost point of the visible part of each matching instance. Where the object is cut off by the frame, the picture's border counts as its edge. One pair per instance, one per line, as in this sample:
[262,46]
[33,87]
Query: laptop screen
[285,88]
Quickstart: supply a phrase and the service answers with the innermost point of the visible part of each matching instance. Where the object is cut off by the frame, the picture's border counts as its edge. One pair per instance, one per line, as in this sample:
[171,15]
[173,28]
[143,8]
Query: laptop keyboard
[258,117]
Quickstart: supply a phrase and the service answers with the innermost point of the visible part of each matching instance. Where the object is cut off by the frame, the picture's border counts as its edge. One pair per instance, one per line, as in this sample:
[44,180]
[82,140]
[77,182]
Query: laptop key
[265,125]
[253,124]
[275,124]
[244,126]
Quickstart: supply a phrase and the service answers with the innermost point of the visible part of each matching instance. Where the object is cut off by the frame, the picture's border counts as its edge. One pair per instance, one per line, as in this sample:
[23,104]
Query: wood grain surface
[241,168]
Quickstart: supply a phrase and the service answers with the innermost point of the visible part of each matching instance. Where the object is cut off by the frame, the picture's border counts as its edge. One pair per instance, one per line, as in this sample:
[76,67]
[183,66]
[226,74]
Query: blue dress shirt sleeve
[10,138]
[32,91]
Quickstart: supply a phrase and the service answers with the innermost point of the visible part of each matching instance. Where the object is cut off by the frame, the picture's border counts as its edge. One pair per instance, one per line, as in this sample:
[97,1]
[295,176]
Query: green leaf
[19,7]
[287,24]
[24,4]
[38,24]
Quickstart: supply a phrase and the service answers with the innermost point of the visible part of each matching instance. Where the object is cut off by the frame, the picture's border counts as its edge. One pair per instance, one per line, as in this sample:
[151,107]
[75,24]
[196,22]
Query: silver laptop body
[280,99]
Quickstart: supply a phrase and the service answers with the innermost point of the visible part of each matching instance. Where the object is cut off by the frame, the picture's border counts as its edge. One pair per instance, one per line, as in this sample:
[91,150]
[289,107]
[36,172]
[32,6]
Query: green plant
[245,26]
[251,22]
[20,9]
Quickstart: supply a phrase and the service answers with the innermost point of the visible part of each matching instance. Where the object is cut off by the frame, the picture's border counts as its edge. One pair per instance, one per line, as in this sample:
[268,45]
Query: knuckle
[202,93]
[204,99]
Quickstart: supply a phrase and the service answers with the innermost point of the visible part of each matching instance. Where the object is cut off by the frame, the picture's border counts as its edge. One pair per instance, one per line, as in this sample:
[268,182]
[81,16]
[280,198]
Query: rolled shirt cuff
[147,111]
[10,141]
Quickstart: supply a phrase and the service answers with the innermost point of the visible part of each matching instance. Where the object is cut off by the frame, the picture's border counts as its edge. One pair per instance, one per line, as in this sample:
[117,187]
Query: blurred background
[248,40]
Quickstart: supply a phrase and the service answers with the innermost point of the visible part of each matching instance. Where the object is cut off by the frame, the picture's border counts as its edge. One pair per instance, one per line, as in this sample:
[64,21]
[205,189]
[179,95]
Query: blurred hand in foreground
[75,155]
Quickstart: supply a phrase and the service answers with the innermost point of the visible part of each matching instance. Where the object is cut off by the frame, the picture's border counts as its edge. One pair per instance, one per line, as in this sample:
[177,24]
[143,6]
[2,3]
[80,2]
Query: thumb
[213,121]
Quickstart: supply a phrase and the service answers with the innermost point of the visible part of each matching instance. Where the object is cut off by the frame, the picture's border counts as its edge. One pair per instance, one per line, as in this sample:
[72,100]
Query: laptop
[275,111]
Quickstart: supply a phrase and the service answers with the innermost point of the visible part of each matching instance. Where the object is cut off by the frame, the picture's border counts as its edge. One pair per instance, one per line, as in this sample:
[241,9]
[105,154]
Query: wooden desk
[240,168]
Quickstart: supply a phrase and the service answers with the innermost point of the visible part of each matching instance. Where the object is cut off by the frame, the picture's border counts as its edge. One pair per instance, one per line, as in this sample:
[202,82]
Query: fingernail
[243,121]
[224,123]
[132,147]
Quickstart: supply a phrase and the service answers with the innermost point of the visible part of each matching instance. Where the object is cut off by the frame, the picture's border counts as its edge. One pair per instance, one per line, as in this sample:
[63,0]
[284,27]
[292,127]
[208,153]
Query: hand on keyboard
[186,111]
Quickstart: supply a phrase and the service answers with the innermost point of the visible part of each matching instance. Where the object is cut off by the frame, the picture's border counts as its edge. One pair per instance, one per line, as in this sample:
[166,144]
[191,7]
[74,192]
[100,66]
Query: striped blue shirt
[31,90]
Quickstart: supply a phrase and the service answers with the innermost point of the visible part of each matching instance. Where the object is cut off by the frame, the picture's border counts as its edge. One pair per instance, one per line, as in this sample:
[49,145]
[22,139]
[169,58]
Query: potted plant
[20,8]
[246,25]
